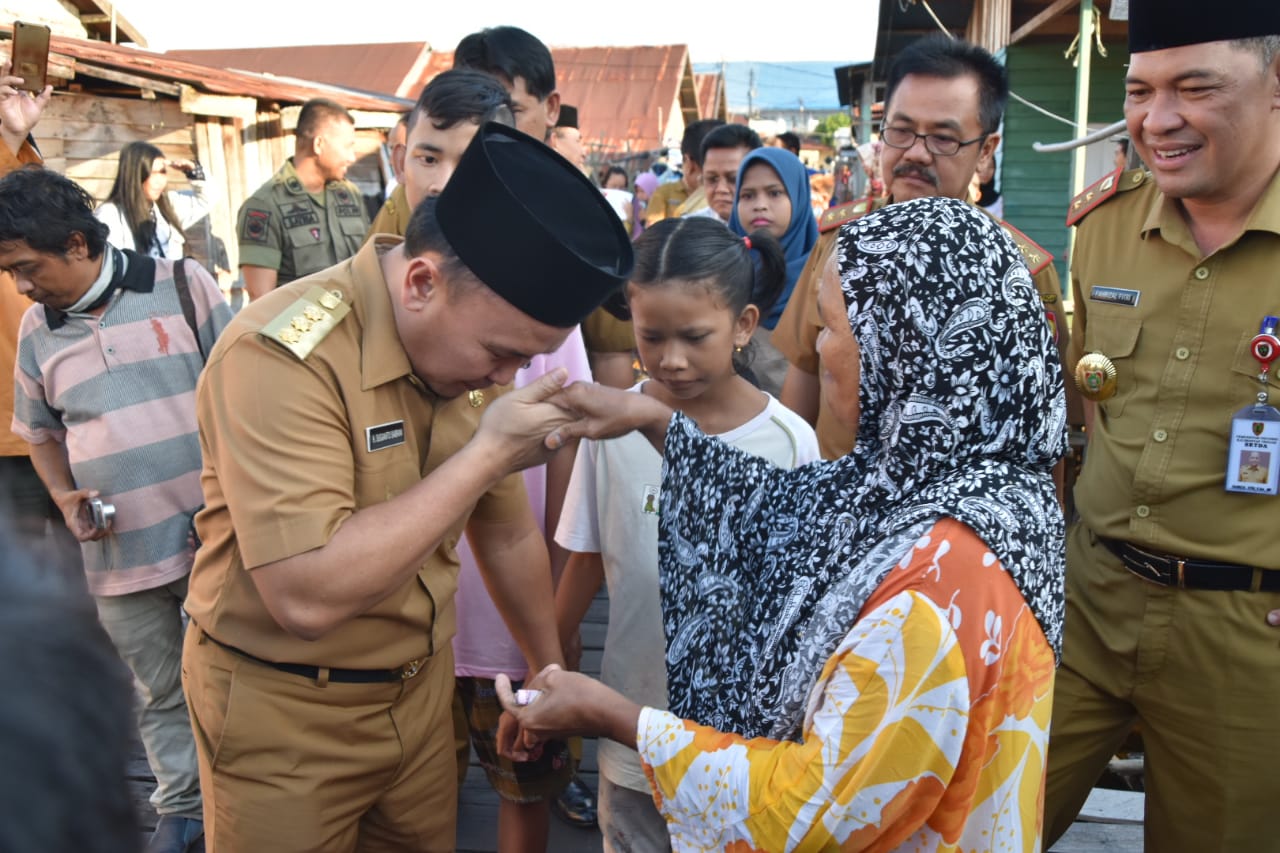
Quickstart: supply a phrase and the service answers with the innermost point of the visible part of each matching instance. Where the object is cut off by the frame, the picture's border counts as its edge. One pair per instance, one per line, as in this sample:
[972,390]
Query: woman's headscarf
[764,571]
[801,234]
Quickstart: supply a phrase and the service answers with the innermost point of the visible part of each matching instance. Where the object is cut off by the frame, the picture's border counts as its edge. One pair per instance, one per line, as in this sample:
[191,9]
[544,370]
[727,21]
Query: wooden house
[237,124]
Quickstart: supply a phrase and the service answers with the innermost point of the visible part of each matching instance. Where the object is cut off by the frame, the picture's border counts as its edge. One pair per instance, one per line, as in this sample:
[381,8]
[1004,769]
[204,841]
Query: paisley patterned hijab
[764,571]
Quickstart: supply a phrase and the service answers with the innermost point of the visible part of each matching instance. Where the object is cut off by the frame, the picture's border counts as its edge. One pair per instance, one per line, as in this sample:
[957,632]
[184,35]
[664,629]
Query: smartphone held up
[30,55]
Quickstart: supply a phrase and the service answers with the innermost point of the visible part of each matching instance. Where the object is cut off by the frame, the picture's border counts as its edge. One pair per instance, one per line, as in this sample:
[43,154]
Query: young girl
[773,194]
[695,298]
[141,214]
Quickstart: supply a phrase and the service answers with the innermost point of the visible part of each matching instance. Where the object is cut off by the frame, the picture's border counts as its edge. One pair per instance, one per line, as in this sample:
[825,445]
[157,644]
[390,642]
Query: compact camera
[98,513]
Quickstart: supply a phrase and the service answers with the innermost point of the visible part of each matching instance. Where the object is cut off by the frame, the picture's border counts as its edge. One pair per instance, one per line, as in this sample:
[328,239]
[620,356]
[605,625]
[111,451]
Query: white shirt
[190,207]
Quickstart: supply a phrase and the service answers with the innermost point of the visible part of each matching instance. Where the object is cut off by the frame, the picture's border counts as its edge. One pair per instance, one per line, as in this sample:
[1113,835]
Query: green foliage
[826,129]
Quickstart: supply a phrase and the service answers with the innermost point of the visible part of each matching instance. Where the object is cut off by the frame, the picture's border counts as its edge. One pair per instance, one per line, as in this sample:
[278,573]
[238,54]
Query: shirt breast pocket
[310,250]
[384,474]
[1116,337]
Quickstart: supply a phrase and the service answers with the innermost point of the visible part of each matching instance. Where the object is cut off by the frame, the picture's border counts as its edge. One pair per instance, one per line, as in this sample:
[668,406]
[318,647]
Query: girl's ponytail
[770,266]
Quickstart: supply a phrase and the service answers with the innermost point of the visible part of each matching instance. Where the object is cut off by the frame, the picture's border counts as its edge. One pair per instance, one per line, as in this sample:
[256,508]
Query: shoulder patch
[834,217]
[254,229]
[305,323]
[1116,182]
[1036,256]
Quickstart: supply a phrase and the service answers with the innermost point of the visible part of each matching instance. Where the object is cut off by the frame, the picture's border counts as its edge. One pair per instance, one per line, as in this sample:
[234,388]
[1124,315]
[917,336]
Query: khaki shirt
[281,227]
[287,461]
[12,306]
[393,218]
[664,202]
[796,335]
[1157,459]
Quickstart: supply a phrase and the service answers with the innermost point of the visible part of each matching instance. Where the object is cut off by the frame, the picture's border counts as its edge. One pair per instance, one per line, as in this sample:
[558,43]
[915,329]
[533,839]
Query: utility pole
[751,92]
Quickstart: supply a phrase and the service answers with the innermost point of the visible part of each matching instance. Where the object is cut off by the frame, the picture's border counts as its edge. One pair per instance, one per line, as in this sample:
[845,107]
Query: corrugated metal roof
[624,95]
[218,81]
[388,69]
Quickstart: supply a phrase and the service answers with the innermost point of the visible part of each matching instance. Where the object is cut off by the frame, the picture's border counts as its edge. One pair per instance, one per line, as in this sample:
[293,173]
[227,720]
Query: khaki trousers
[289,764]
[1200,670]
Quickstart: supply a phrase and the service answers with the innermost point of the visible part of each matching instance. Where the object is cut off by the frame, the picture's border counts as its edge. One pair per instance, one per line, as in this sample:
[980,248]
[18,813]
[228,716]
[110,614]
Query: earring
[737,349]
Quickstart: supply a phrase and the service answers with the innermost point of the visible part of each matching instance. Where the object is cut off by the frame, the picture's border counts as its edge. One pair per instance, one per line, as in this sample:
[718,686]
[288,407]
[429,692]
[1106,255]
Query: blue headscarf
[802,232]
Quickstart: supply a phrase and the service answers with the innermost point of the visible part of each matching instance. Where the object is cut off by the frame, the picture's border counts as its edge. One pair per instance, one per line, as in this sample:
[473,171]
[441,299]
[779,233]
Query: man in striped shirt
[104,394]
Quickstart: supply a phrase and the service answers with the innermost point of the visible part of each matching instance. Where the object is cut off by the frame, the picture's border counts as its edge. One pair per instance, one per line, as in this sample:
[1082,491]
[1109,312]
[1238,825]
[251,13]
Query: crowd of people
[345,537]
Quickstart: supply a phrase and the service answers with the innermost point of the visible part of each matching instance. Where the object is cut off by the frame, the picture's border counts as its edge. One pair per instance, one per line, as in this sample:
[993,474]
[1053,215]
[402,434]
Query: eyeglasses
[942,146]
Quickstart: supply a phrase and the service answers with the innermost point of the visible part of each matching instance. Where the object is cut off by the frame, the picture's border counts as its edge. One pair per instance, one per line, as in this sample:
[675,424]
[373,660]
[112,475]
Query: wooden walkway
[478,804]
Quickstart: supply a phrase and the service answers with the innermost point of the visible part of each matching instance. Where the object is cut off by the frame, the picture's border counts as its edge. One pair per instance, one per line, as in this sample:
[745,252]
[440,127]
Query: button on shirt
[1155,470]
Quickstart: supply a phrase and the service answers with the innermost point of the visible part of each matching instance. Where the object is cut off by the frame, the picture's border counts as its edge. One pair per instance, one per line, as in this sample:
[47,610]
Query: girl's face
[686,335]
[615,181]
[763,202]
[153,187]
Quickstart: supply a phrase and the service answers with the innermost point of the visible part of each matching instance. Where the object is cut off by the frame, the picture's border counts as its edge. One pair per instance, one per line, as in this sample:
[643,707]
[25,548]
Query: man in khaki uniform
[307,217]
[346,443]
[668,199]
[1170,577]
[944,102]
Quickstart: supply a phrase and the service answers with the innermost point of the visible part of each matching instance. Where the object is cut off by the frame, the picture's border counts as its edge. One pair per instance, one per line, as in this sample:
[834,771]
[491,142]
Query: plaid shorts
[516,781]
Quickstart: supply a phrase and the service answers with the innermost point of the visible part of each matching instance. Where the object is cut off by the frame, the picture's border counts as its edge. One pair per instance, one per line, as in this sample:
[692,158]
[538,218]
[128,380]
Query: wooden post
[1082,93]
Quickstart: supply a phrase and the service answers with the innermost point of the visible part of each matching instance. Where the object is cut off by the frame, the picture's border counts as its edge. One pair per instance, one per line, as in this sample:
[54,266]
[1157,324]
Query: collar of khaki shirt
[1166,217]
[382,355]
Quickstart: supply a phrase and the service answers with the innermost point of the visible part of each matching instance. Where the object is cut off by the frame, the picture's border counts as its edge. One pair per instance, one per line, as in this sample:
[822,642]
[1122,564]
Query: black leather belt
[1168,570]
[341,676]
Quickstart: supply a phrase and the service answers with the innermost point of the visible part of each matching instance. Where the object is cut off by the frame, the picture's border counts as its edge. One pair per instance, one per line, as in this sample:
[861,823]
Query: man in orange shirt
[26,501]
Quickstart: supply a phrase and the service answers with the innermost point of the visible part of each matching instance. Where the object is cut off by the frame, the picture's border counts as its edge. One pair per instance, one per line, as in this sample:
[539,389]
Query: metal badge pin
[475,398]
[1096,377]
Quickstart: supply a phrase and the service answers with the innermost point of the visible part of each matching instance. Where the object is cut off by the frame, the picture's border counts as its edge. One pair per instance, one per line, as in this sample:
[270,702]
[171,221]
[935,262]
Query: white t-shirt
[190,208]
[482,645]
[611,508]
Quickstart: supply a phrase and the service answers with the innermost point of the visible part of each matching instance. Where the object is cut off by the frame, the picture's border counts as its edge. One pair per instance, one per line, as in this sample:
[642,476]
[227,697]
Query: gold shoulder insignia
[305,323]
[834,217]
[1036,256]
[1093,196]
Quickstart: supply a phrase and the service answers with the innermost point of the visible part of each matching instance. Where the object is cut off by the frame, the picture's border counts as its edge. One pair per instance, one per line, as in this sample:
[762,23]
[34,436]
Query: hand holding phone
[30,56]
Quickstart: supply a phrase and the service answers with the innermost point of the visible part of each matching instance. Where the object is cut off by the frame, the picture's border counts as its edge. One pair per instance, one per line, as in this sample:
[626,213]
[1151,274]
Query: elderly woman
[860,653]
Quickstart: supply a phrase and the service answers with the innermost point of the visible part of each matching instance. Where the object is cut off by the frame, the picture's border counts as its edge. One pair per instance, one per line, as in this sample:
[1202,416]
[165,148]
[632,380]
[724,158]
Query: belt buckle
[1182,580]
[412,668]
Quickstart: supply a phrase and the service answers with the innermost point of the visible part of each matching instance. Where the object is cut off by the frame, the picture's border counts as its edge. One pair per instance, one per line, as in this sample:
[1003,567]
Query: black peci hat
[533,228]
[568,116]
[1159,24]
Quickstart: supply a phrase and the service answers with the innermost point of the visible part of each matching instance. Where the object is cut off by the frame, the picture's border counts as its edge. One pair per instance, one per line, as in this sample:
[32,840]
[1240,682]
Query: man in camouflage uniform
[307,217]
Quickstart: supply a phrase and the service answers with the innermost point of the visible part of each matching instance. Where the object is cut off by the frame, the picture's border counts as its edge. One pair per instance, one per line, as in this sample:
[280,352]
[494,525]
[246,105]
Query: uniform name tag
[1114,295]
[382,436]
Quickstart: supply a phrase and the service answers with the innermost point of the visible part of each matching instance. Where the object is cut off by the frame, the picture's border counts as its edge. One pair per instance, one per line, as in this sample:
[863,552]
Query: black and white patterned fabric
[764,571]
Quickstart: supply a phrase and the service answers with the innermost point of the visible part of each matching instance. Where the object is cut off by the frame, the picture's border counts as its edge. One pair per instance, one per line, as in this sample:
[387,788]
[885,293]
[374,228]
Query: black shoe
[177,835]
[576,805]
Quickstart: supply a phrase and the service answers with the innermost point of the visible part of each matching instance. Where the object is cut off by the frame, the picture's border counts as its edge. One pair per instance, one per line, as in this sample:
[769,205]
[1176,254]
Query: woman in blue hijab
[773,193]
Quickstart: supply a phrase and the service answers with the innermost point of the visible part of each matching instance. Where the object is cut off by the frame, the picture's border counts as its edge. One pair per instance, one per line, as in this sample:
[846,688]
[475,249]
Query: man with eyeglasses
[944,102]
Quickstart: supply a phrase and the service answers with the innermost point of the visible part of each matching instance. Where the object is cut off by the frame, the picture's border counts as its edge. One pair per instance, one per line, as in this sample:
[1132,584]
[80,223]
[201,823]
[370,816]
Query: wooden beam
[1054,9]
[144,83]
[223,106]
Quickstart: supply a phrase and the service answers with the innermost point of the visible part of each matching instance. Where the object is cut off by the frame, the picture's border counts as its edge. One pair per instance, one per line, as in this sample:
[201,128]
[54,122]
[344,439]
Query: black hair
[424,234]
[463,94]
[691,142]
[43,209]
[509,52]
[315,114]
[66,722]
[615,170]
[790,141]
[730,136]
[702,252]
[940,56]
[127,195]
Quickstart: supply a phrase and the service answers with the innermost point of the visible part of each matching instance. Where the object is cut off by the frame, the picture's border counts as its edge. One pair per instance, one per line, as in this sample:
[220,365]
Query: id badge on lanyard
[1253,453]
